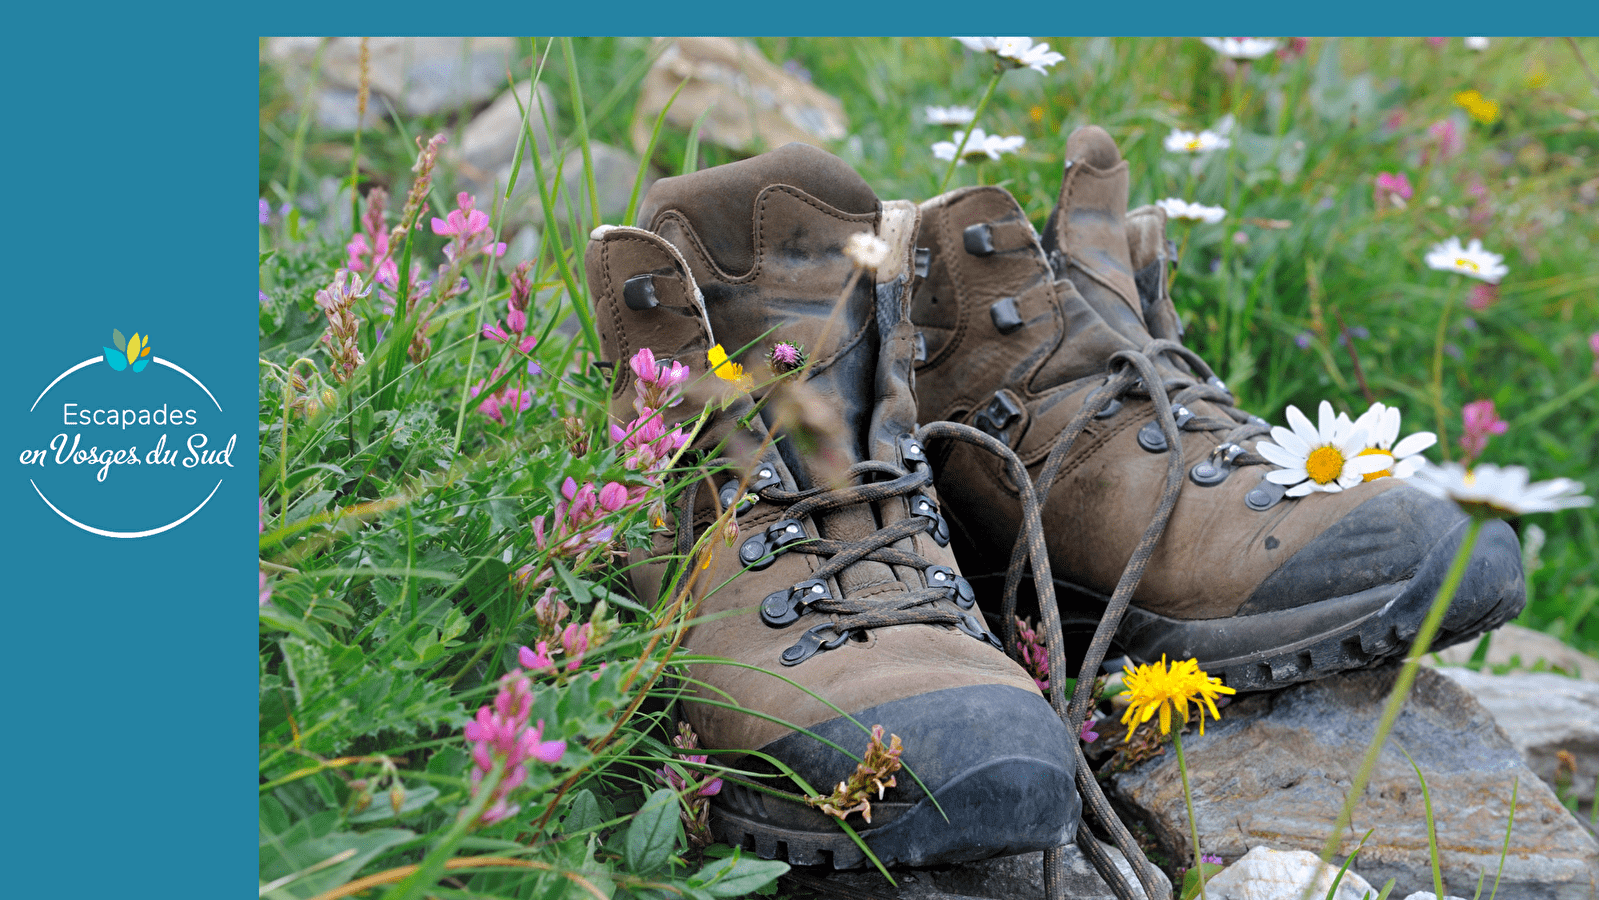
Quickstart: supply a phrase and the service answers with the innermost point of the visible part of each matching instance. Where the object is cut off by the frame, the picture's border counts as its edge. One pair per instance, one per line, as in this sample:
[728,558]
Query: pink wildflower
[1392,189]
[1483,295]
[659,384]
[1394,120]
[1088,735]
[1034,656]
[1296,48]
[1481,422]
[1436,42]
[470,229]
[266,590]
[536,660]
[1447,137]
[501,740]
[1593,344]
[575,641]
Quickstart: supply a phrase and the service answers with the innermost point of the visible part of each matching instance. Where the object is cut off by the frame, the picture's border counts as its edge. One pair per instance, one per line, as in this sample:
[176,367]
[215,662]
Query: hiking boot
[840,606]
[1264,590]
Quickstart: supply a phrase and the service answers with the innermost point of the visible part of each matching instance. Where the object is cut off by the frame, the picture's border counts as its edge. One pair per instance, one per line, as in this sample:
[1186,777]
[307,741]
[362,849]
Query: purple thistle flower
[1213,860]
[266,211]
[1302,340]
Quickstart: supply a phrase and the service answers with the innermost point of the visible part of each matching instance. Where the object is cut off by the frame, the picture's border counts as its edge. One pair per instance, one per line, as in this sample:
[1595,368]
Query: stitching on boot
[618,386]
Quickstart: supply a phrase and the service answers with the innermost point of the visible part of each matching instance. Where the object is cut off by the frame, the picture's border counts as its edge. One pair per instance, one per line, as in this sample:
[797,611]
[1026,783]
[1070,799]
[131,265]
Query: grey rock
[417,75]
[748,103]
[1543,714]
[1002,878]
[484,152]
[1429,895]
[1267,874]
[1275,770]
[1523,649]
[615,171]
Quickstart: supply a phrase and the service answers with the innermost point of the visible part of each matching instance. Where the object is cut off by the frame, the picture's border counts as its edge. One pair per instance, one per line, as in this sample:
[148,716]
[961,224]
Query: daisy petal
[1280,456]
[1289,441]
[1286,476]
[1300,423]
[1415,443]
[1302,488]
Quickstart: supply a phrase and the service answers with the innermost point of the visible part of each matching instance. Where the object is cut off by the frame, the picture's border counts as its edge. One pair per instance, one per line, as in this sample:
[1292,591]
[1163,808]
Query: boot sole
[916,834]
[1339,634]
[997,758]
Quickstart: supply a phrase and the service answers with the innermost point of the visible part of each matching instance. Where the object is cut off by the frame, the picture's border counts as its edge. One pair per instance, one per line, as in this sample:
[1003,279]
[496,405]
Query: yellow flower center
[1324,465]
[1380,473]
[1465,263]
[1193,145]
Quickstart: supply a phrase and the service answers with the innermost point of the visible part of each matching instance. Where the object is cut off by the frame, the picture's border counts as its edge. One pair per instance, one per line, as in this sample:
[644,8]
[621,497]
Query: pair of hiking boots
[872,565]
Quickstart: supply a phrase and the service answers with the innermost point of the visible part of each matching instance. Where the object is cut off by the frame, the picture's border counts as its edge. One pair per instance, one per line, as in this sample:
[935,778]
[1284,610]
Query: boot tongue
[765,239]
[1086,236]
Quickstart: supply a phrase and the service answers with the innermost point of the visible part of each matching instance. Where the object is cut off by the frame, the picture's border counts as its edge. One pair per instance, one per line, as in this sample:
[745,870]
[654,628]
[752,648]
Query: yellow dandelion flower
[1157,688]
[726,369]
[1036,114]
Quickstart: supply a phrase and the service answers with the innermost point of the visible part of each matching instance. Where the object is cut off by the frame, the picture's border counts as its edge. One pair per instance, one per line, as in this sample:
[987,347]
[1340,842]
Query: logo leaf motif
[115,358]
[119,340]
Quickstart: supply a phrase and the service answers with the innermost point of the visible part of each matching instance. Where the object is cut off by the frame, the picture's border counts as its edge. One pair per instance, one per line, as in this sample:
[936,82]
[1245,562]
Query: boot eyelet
[996,417]
[1152,438]
[970,624]
[979,239]
[812,642]
[1264,495]
[945,577]
[638,293]
[782,608]
[1007,318]
[1214,471]
[923,505]
[912,451]
[1111,409]
[761,550]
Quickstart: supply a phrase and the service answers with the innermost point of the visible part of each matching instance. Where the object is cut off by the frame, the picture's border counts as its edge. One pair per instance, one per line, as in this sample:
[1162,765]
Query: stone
[1001,878]
[484,152]
[615,171]
[1275,770]
[749,104]
[1266,874]
[1543,714]
[417,75]
[1523,649]
[1429,895]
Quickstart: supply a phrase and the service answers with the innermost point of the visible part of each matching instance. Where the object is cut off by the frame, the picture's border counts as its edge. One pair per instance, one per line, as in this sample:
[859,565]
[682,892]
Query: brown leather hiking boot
[1054,345]
[841,606]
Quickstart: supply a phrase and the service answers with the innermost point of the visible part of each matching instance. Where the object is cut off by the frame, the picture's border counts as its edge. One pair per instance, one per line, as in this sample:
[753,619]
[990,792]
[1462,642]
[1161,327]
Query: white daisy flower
[866,250]
[1476,43]
[981,144]
[1325,458]
[1381,425]
[1241,47]
[1191,212]
[1016,52]
[1180,141]
[1489,490]
[950,115]
[1469,260]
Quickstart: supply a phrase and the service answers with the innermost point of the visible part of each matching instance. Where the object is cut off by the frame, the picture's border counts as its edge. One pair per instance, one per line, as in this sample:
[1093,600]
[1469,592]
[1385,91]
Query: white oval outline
[125,534]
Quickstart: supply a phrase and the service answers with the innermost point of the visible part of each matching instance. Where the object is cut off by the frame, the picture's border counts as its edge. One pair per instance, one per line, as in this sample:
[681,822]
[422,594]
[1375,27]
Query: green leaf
[584,813]
[1192,877]
[119,340]
[287,856]
[738,876]
[652,836]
